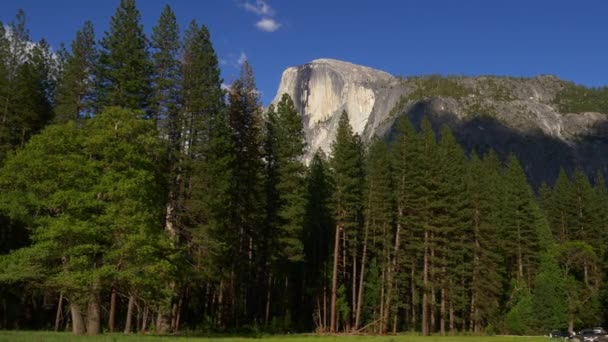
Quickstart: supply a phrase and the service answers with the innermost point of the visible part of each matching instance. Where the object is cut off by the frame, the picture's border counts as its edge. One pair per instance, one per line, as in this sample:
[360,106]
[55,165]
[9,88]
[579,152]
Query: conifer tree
[318,238]
[519,224]
[377,240]
[244,115]
[454,218]
[124,66]
[347,171]
[558,207]
[166,76]
[487,264]
[76,88]
[291,145]
[408,174]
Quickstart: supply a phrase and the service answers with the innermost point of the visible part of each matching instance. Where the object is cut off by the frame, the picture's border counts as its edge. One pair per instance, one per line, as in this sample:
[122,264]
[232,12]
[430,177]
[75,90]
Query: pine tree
[487,264]
[27,86]
[124,66]
[291,145]
[347,170]
[244,114]
[454,239]
[558,207]
[76,88]
[377,243]
[318,236]
[166,77]
[519,224]
[408,173]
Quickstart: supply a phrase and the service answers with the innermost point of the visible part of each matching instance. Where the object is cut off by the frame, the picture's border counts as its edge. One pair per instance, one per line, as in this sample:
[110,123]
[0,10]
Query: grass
[23,336]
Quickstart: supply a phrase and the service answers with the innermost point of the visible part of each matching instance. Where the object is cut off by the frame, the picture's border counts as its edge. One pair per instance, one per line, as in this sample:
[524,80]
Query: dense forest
[137,194]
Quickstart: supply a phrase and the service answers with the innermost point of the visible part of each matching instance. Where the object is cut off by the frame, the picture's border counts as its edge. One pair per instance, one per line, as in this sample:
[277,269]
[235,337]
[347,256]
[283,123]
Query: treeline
[139,195]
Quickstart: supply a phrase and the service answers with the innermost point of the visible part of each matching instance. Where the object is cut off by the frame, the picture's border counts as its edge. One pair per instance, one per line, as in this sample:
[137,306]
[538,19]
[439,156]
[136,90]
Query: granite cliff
[547,122]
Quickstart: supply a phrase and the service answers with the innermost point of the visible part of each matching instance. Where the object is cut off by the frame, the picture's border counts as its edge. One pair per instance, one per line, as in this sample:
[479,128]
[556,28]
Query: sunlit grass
[27,336]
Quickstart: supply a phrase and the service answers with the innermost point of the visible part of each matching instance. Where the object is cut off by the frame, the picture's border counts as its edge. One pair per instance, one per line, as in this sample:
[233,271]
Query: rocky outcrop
[503,113]
[324,88]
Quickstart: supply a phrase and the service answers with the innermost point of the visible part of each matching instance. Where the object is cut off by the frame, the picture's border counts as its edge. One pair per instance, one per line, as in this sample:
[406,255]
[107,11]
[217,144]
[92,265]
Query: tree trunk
[392,271]
[361,279]
[94,316]
[144,320]
[325,308]
[354,288]
[442,311]
[383,318]
[112,317]
[267,313]
[414,296]
[334,282]
[128,320]
[59,313]
[452,326]
[178,315]
[78,327]
[425,284]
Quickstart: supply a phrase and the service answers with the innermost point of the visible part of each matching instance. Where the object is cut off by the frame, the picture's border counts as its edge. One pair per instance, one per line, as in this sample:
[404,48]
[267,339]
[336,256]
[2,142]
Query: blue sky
[471,37]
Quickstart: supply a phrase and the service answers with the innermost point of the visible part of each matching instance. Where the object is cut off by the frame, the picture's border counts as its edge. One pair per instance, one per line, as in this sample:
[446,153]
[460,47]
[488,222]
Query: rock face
[524,116]
[324,88]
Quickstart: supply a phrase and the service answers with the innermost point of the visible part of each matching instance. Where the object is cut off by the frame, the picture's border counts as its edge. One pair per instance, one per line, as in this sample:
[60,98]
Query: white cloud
[260,7]
[242,58]
[268,25]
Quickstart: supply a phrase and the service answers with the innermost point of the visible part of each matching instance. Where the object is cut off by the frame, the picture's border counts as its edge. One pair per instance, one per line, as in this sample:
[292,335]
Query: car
[560,333]
[591,335]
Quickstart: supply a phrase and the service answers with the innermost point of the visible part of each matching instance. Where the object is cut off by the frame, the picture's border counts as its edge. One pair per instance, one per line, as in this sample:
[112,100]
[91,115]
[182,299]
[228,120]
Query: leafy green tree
[91,198]
[76,88]
[581,274]
[124,66]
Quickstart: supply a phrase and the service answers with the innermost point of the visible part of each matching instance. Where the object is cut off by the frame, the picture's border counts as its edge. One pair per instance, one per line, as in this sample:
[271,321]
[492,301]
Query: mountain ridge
[543,106]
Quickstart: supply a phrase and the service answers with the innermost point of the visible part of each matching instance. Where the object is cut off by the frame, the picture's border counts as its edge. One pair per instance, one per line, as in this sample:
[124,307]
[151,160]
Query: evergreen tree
[290,144]
[347,170]
[244,248]
[318,236]
[487,264]
[454,218]
[408,174]
[558,207]
[519,224]
[76,88]
[124,66]
[378,232]
[166,73]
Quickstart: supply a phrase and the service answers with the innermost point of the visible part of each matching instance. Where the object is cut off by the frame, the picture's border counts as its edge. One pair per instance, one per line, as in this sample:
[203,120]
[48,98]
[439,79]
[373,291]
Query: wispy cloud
[242,58]
[268,25]
[260,7]
[266,13]
[233,60]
